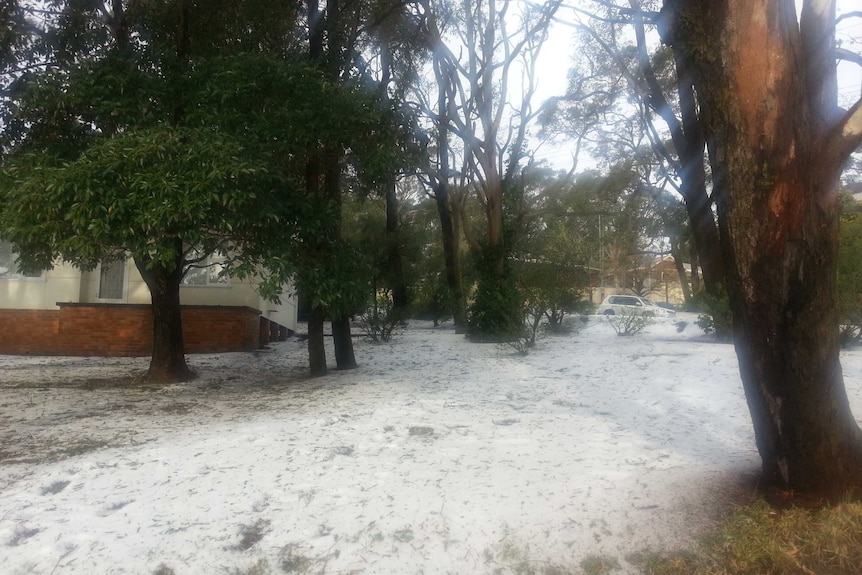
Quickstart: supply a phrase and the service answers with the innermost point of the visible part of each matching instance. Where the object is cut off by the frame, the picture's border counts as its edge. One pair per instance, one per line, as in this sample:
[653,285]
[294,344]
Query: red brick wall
[209,329]
[28,331]
[123,330]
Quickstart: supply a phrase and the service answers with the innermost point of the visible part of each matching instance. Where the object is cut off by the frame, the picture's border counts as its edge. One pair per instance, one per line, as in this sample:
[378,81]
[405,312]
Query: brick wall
[28,331]
[209,329]
[123,330]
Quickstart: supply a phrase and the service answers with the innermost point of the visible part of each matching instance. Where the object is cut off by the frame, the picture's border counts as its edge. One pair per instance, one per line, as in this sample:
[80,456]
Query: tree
[341,36]
[153,195]
[485,57]
[778,140]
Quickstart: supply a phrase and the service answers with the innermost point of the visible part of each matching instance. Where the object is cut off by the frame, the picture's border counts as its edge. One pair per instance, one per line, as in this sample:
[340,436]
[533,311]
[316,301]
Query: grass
[755,539]
[760,540]
[511,558]
[250,535]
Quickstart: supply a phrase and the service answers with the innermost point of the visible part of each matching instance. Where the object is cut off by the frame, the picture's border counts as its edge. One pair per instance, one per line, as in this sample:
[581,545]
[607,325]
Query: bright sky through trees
[560,49]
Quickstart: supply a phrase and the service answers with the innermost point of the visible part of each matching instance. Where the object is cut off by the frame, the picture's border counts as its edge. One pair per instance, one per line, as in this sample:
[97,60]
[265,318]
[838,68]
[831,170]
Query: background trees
[485,64]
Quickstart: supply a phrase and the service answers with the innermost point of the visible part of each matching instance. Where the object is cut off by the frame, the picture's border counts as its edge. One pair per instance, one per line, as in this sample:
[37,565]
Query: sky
[558,53]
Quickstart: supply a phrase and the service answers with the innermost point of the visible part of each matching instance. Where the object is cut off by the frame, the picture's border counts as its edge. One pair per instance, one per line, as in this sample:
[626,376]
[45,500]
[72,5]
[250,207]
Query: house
[106,311]
[655,277]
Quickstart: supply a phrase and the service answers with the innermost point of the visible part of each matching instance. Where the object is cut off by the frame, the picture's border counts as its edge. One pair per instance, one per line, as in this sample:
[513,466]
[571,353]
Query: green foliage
[496,314]
[433,298]
[550,291]
[337,274]
[138,192]
[849,302]
[381,320]
[627,324]
[716,317]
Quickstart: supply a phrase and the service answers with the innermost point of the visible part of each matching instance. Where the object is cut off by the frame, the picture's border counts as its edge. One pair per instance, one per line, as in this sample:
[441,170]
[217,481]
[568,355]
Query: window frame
[16,275]
[124,297]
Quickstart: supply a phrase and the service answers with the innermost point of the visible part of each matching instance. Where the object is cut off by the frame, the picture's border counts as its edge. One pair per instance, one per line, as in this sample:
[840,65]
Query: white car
[632,305]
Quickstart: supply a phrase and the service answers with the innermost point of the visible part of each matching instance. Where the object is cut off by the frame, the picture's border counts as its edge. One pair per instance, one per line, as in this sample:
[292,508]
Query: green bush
[496,314]
[715,317]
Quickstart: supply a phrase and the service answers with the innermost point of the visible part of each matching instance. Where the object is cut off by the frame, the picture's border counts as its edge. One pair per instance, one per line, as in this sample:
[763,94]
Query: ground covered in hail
[435,456]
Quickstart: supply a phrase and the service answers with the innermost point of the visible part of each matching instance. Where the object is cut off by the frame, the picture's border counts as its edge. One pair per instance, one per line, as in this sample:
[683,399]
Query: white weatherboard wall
[61,284]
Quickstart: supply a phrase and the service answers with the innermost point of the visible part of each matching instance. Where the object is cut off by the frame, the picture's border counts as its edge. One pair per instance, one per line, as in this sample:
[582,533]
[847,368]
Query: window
[209,271]
[9,264]
[112,279]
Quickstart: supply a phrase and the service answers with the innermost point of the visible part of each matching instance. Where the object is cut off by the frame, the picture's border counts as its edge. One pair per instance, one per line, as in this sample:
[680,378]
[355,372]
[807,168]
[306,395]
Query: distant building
[653,277]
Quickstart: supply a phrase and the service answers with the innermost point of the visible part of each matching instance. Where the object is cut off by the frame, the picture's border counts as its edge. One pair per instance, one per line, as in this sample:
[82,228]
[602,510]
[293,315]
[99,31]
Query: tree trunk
[452,257]
[680,269]
[778,149]
[168,360]
[695,267]
[323,177]
[693,188]
[316,349]
[397,283]
[343,342]
[687,135]
[451,247]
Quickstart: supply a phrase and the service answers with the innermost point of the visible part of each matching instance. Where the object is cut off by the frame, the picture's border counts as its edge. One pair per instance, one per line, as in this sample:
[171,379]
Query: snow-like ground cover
[435,456]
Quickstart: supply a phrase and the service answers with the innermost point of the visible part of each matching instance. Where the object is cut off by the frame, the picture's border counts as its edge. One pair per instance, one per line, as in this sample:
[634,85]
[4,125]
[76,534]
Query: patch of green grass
[599,565]
[292,561]
[22,533]
[77,447]
[759,540]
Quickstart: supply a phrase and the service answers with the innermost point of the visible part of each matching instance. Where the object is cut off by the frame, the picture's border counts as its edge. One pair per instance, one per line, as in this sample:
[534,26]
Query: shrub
[628,323]
[715,317]
[381,320]
[496,314]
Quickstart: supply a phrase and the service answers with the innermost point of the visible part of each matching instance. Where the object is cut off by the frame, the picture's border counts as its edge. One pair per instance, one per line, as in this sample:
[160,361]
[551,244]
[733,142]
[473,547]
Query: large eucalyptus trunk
[778,142]
[168,360]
